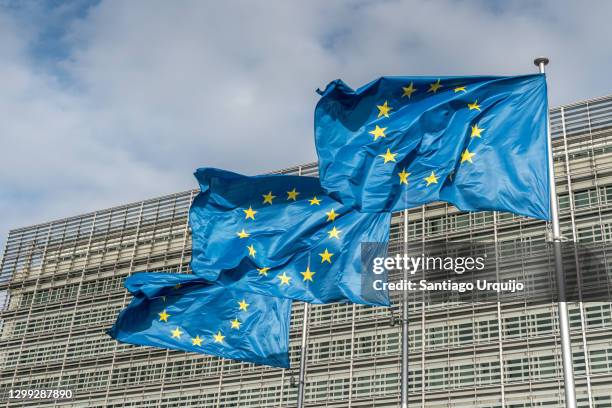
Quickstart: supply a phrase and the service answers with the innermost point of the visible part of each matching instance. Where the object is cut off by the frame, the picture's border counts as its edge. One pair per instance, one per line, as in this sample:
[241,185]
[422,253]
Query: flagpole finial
[541,62]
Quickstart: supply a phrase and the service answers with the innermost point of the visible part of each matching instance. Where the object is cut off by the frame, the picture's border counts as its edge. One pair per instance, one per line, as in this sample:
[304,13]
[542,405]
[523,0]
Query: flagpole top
[541,62]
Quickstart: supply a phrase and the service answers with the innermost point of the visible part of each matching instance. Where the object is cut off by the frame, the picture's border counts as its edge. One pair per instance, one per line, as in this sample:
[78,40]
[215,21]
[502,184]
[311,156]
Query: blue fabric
[200,311]
[425,129]
[288,236]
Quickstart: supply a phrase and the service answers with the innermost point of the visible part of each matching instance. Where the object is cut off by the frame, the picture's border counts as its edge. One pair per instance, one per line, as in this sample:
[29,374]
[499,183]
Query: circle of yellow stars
[334,233]
[379,132]
[217,337]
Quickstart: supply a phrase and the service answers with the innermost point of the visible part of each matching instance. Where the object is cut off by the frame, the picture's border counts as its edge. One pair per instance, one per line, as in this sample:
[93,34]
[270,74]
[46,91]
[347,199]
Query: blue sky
[108,102]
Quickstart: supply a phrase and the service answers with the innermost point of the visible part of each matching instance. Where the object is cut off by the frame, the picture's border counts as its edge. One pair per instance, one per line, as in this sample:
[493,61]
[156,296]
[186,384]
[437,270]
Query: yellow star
[467,156]
[263,271]
[389,157]
[292,195]
[176,333]
[383,110]
[315,201]
[268,198]
[219,337]
[243,234]
[308,274]
[243,305]
[460,89]
[196,341]
[331,216]
[476,131]
[431,179]
[474,105]
[326,256]
[252,250]
[378,132]
[284,279]
[408,90]
[235,323]
[163,316]
[334,233]
[435,86]
[403,176]
[250,213]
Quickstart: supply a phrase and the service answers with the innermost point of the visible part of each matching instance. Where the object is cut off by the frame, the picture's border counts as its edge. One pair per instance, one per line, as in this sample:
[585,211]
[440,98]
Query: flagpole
[564,332]
[303,356]
[303,345]
[405,344]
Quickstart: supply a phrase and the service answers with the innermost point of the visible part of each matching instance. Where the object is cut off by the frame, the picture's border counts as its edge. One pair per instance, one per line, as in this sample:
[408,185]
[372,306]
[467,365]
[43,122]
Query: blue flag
[283,236]
[478,143]
[184,312]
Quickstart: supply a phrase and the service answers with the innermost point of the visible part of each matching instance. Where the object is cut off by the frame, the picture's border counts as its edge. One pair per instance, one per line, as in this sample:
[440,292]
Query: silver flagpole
[303,356]
[405,344]
[304,345]
[564,332]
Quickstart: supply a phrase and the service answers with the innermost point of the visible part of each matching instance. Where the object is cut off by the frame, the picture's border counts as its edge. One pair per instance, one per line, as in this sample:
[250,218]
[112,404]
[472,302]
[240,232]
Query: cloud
[118,101]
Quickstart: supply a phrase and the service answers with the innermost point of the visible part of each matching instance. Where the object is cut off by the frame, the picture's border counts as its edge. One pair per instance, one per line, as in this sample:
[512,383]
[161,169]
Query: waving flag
[183,312]
[283,236]
[399,142]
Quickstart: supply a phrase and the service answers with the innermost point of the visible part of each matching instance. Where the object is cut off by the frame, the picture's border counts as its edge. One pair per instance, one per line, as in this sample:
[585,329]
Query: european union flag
[283,236]
[184,312]
[398,142]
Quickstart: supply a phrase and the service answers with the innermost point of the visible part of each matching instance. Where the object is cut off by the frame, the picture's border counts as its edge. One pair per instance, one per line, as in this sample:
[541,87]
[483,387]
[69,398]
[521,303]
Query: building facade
[61,286]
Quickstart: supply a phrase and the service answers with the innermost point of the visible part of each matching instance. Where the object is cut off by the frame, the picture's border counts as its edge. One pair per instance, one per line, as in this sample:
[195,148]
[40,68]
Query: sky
[103,103]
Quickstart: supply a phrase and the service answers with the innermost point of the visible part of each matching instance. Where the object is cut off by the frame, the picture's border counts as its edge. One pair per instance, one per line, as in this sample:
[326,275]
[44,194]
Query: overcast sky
[105,103]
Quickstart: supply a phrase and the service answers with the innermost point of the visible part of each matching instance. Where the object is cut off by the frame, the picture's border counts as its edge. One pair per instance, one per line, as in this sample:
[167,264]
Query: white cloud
[148,91]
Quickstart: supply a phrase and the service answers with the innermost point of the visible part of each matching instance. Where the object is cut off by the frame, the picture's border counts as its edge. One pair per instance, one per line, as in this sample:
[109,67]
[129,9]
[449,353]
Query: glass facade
[61,287]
